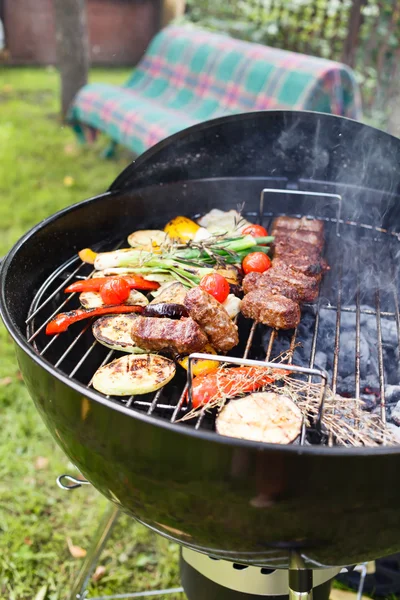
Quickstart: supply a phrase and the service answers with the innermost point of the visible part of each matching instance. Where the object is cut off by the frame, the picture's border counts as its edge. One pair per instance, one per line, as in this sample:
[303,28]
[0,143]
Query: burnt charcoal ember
[392,394]
[368,402]
[395,431]
[321,360]
[395,414]
[347,356]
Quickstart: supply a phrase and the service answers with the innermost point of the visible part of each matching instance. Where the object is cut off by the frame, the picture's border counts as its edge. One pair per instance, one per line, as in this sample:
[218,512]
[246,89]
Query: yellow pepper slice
[199,367]
[87,255]
[181,228]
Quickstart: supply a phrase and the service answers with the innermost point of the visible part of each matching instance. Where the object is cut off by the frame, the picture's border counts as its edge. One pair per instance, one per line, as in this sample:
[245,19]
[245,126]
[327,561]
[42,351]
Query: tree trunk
[72,48]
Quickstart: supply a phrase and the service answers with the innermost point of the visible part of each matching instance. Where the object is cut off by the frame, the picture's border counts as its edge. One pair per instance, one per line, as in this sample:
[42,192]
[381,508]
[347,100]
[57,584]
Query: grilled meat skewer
[182,337]
[273,297]
[213,319]
[274,310]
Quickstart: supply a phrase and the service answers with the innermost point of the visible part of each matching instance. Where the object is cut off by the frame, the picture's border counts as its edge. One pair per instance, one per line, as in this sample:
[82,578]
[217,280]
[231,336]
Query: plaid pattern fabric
[189,75]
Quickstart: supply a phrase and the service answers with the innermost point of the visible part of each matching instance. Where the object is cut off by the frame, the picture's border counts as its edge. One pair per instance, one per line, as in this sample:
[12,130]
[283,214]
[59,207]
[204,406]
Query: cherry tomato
[215,285]
[255,230]
[115,291]
[257,262]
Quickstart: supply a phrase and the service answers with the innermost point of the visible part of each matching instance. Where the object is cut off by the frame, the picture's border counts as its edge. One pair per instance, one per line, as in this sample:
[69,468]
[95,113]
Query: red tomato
[115,291]
[255,230]
[256,262]
[215,285]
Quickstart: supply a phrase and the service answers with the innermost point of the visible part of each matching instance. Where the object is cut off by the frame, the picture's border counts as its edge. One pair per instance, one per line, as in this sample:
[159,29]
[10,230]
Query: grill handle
[75,483]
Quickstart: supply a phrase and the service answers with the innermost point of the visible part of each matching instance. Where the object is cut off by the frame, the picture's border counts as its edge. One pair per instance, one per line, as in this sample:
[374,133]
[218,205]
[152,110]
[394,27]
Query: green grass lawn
[42,169]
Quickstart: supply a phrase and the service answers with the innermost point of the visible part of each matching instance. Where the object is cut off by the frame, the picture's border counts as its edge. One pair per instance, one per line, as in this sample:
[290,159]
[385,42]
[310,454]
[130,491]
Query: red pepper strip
[93,285]
[229,382]
[62,321]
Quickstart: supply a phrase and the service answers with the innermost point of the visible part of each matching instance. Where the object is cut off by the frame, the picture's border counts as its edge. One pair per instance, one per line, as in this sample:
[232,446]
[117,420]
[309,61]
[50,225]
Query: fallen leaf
[28,541]
[41,595]
[6,381]
[75,551]
[7,88]
[41,463]
[99,573]
[70,149]
[19,376]
[68,181]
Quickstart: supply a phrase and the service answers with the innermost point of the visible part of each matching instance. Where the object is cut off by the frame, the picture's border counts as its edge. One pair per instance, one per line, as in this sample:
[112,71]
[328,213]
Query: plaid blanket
[189,75]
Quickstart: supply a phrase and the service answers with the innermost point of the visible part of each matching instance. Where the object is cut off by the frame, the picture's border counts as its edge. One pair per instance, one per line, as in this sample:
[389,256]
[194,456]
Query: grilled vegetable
[114,331]
[187,264]
[256,262]
[181,228]
[232,305]
[229,382]
[223,222]
[255,230]
[172,293]
[264,417]
[94,299]
[93,285]
[62,321]
[134,374]
[230,272]
[87,255]
[215,285]
[115,291]
[201,365]
[171,311]
[148,240]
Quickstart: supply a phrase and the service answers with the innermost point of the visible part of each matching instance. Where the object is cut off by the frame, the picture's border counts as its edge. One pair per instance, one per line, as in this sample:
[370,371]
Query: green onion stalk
[187,264]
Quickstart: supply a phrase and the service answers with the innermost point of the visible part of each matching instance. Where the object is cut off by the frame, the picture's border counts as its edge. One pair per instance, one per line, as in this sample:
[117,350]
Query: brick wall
[119,30]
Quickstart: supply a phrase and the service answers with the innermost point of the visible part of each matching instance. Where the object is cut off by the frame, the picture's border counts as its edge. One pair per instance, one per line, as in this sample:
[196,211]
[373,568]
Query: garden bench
[188,75]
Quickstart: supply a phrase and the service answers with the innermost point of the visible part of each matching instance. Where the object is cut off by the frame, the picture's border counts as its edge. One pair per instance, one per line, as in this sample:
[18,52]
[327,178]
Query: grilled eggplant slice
[94,299]
[161,309]
[134,374]
[175,293]
[262,417]
[114,331]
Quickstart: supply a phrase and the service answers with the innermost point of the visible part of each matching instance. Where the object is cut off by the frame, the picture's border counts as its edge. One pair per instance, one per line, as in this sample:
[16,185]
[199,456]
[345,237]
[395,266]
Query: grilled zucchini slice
[114,331]
[132,374]
[148,240]
[94,300]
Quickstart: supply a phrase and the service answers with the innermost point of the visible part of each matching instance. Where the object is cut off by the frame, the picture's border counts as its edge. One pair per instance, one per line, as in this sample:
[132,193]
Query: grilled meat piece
[263,281]
[299,235]
[284,247]
[294,231]
[307,287]
[182,337]
[303,224]
[213,319]
[273,310]
[301,264]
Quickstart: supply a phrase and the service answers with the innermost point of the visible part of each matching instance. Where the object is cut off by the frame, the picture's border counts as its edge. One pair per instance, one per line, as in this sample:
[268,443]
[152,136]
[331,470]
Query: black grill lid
[287,144]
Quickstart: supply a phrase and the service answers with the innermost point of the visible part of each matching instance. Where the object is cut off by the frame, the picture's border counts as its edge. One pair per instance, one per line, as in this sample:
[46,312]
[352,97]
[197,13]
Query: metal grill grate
[357,306]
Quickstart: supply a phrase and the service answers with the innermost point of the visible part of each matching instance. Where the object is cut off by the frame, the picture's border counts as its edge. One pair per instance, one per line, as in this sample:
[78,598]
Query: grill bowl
[237,500]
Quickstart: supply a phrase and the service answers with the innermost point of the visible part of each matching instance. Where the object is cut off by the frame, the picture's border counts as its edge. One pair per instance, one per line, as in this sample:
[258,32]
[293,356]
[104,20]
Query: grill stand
[110,517]
[300,581]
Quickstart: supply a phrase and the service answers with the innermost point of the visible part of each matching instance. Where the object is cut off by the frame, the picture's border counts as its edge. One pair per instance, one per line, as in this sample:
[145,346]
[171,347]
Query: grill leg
[102,534]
